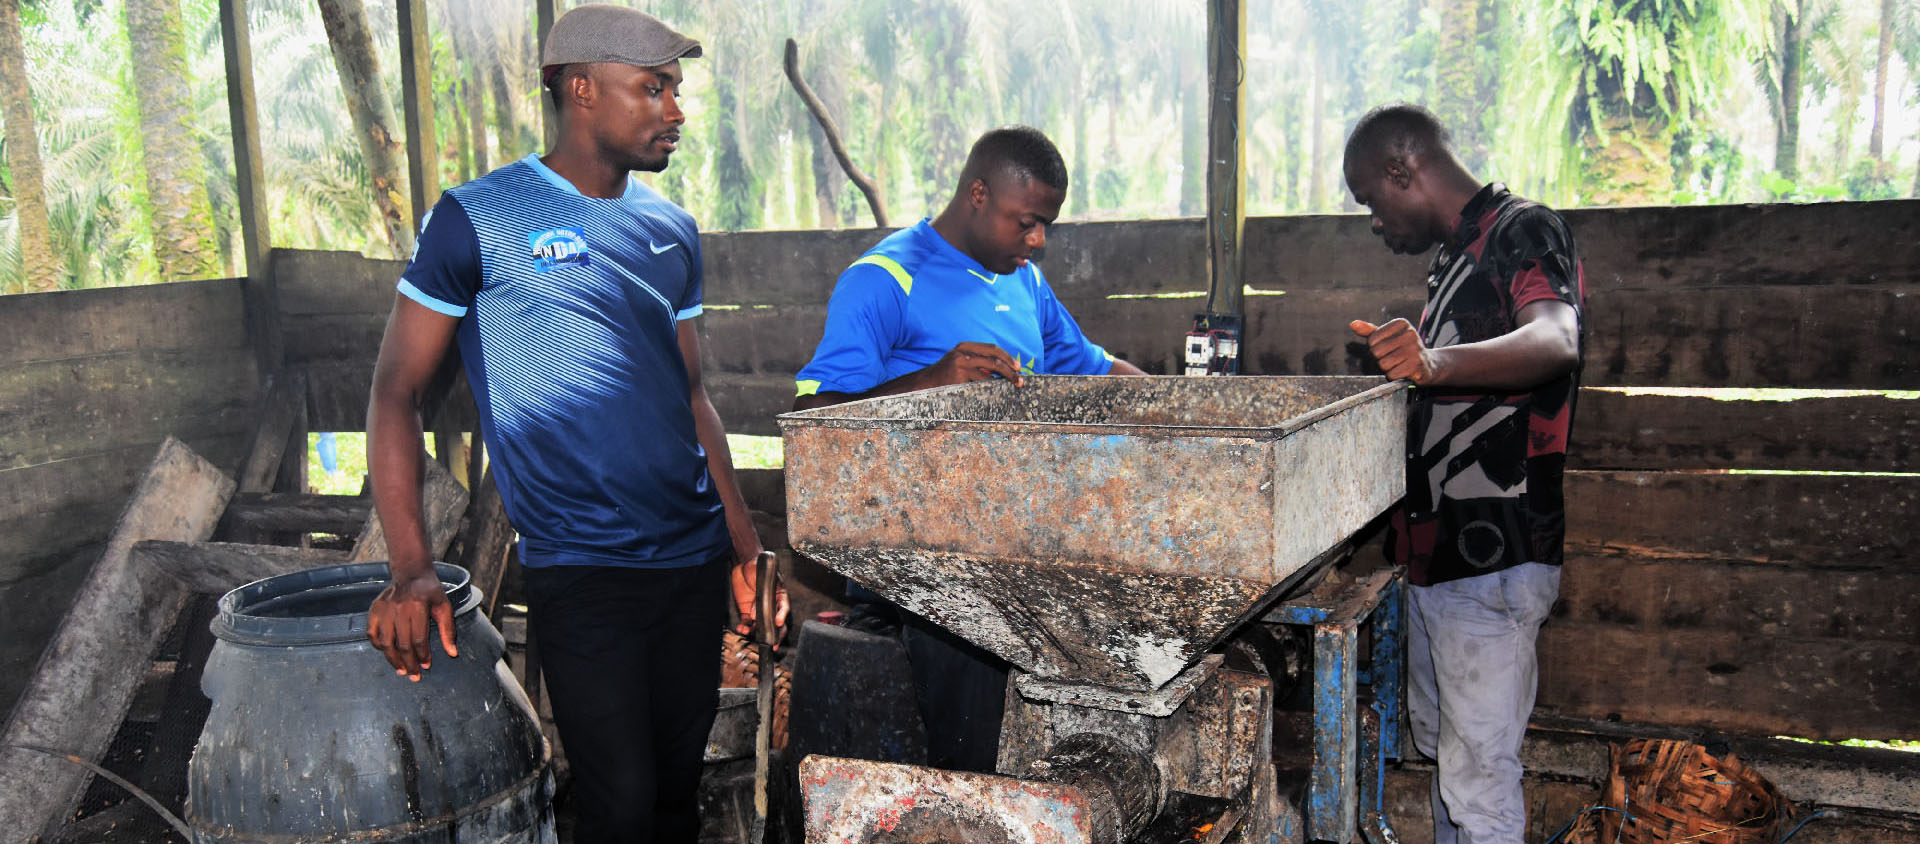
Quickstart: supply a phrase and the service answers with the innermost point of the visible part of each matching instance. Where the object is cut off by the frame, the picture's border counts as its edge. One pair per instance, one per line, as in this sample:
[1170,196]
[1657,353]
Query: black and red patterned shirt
[1484,469]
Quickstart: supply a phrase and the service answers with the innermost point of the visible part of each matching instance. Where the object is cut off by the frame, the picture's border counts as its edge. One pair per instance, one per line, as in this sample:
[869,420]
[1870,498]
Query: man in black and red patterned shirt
[1496,365]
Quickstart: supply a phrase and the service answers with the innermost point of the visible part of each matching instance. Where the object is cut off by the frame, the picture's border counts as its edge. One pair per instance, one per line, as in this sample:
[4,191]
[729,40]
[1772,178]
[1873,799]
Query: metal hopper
[1099,531]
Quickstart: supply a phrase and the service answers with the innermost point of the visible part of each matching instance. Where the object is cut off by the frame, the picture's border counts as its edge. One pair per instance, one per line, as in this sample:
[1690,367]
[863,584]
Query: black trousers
[631,659]
[962,691]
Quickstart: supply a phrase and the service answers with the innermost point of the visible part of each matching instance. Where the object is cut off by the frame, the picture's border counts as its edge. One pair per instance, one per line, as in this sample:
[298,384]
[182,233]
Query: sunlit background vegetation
[1576,102]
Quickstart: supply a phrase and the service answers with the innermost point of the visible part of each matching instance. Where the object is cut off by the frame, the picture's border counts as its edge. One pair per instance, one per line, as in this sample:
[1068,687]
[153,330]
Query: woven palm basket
[740,668]
[1670,791]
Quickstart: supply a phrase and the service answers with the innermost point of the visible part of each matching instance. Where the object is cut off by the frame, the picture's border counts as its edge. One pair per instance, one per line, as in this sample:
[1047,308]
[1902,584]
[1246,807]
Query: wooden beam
[1791,600]
[178,316]
[250,188]
[286,397]
[446,503]
[1226,149]
[488,549]
[416,95]
[61,410]
[1814,520]
[876,202]
[99,655]
[1614,430]
[292,512]
[220,567]
[1729,680]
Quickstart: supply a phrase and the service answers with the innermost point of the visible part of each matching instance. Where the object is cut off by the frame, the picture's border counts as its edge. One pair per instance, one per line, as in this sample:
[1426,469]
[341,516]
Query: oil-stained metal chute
[1094,531]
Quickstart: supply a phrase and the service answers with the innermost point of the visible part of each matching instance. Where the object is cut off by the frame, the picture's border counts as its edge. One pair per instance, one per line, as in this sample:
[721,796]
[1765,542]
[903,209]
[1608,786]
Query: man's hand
[1398,349]
[397,622]
[744,580]
[969,362]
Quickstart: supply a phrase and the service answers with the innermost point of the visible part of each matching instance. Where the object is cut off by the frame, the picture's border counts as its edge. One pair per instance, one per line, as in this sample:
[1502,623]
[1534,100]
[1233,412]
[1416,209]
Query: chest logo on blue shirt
[558,248]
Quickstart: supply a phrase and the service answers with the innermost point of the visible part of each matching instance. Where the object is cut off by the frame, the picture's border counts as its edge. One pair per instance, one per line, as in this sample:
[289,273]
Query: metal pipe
[1123,788]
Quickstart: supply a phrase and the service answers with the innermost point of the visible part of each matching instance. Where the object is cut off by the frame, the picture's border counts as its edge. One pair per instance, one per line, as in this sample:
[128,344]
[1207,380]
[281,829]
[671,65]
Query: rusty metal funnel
[1102,531]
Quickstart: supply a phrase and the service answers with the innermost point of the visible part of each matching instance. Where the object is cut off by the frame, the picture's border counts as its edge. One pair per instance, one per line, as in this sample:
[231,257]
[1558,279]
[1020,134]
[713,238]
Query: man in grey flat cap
[569,288]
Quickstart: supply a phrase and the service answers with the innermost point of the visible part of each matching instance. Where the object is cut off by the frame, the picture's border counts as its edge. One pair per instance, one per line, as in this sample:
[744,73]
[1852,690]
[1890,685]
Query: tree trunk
[1883,58]
[1467,81]
[359,68]
[39,271]
[462,150]
[827,178]
[826,197]
[506,124]
[739,191]
[176,171]
[1786,157]
[468,59]
[1080,189]
[474,104]
[1618,168]
[1316,136]
[1193,135]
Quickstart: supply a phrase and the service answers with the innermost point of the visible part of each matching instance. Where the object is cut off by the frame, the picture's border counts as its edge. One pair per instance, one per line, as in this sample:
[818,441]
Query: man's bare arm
[963,363]
[740,531]
[1543,346]
[412,350]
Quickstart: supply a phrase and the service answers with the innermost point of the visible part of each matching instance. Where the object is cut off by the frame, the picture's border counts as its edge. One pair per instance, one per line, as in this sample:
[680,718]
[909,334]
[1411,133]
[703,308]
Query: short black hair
[555,81]
[1020,151]
[1400,130]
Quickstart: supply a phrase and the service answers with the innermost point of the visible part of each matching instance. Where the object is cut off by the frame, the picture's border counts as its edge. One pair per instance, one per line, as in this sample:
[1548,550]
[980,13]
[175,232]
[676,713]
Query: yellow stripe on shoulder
[805,388]
[892,267]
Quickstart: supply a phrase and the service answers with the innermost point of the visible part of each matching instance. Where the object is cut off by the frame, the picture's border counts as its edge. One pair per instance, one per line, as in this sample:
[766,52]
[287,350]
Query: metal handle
[765,591]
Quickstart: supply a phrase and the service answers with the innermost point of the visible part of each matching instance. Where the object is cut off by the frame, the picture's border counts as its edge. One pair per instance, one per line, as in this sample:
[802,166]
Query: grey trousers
[1472,673]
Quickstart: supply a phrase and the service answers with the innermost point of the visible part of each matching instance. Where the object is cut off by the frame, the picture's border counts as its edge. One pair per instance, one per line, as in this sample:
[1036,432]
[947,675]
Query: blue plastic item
[329,452]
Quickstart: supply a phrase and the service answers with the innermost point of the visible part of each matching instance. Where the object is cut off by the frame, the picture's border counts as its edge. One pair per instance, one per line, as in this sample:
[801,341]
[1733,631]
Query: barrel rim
[234,624]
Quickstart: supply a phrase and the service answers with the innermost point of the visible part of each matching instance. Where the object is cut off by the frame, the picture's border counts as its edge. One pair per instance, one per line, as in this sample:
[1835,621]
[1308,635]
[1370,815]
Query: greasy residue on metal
[1266,405]
[1096,530]
[853,801]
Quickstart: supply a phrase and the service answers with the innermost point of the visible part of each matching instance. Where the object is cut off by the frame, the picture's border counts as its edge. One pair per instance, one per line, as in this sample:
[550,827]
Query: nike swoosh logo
[657,248]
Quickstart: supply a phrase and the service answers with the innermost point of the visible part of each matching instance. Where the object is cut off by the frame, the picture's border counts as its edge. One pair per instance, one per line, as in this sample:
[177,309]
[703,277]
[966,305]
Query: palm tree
[1467,77]
[358,65]
[38,271]
[1882,67]
[176,174]
[1622,80]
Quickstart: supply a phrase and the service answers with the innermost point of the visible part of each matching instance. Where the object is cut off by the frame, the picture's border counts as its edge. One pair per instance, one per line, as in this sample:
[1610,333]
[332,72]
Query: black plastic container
[314,738]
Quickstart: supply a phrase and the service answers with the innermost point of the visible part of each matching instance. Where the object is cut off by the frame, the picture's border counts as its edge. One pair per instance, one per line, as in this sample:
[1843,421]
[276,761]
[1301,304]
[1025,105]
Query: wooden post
[445,502]
[250,189]
[416,87]
[91,668]
[1226,148]
[544,14]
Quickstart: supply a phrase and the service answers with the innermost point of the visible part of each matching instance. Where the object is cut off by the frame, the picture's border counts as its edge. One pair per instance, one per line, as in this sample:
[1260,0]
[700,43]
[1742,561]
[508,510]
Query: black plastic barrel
[314,738]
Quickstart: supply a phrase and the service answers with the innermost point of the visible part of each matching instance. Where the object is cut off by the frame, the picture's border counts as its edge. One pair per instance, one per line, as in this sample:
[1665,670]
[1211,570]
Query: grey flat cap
[600,32]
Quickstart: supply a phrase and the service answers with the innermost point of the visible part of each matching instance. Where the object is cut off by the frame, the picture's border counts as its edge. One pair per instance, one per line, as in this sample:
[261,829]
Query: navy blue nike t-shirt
[569,308]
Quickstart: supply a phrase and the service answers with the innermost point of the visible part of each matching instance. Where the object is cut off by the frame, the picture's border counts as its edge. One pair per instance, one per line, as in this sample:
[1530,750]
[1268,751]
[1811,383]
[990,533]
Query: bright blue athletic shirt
[569,308]
[913,297]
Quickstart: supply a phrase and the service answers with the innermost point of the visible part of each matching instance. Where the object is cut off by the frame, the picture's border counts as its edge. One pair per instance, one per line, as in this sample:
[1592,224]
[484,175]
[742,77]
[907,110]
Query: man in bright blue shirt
[952,300]
[569,289]
[958,298]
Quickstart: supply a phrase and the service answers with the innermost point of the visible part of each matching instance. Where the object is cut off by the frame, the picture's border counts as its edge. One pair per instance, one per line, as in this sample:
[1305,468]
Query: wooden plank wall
[91,382]
[1758,603]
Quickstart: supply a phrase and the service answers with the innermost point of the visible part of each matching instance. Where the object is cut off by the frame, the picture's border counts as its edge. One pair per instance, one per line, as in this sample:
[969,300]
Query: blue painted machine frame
[1351,745]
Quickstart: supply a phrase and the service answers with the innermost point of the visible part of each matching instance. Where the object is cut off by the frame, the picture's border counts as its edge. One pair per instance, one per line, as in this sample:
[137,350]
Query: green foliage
[1870,179]
[1570,101]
